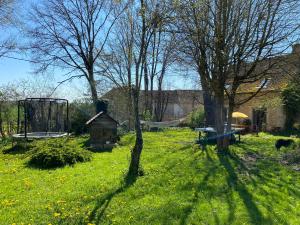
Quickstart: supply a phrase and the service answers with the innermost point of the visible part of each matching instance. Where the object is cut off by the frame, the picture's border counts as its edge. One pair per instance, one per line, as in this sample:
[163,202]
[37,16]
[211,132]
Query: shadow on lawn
[286,133]
[101,204]
[17,149]
[263,171]
[87,145]
[212,168]
[234,183]
[233,166]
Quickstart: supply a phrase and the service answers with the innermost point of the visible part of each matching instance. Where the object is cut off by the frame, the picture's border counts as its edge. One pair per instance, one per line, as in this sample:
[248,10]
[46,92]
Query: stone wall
[180,103]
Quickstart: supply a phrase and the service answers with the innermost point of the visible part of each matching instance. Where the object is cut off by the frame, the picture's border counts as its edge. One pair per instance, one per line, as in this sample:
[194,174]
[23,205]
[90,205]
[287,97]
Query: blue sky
[13,71]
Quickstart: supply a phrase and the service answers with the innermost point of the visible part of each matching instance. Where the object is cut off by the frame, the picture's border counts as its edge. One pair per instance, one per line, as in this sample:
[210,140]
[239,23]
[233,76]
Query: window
[227,86]
[264,83]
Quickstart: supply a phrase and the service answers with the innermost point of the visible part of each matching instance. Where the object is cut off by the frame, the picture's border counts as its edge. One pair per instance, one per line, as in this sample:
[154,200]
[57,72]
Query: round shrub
[195,118]
[51,154]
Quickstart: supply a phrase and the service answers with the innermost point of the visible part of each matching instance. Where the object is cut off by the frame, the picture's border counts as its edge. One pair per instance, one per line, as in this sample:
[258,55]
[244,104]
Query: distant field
[182,185]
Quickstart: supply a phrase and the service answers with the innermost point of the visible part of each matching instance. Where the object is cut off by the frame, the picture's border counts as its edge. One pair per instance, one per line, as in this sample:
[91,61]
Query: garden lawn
[182,185]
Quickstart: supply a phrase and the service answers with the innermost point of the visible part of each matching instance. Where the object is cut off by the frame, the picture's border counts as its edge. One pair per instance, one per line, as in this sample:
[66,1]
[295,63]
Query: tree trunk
[130,113]
[151,95]
[209,104]
[1,124]
[219,120]
[93,88]
[229,121]
[137,149]
[146,84]
[209,109]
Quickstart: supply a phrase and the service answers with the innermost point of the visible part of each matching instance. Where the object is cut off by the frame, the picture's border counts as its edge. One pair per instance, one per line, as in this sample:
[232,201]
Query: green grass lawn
[182,185]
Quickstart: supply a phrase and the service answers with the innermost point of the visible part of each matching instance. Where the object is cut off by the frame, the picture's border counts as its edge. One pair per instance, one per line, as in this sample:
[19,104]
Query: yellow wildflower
[56,214]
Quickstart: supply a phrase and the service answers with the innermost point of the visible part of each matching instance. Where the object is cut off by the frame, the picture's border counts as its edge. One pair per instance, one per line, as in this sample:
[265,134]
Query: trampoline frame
[40,135]
[44,134]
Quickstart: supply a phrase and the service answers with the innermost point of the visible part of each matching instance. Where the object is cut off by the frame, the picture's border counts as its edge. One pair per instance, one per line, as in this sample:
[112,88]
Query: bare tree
[71,34]
[160,55]
[160,104]
[222,36]
[124,65]
[8,97]
[7,43]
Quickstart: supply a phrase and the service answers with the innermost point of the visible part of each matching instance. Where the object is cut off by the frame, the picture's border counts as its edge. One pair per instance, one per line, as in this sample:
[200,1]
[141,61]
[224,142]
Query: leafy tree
[291,100]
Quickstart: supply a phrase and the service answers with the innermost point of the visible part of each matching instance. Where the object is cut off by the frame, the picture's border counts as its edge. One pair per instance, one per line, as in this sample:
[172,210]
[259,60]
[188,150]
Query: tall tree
[7,43]
[227,38]
[71,34]
[124,65]
[160,57]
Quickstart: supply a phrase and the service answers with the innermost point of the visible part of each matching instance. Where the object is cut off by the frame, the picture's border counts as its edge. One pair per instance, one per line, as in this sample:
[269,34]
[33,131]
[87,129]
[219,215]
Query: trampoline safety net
[42,116]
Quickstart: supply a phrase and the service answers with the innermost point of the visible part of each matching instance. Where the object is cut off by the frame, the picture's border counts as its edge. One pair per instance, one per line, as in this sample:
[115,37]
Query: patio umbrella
[239,115]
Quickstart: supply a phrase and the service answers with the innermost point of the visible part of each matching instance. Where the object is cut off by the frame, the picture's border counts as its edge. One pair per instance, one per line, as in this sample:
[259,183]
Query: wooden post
[25,119]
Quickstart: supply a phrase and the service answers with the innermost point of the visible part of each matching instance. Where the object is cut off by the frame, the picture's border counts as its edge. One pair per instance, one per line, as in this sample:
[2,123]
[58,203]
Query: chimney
[296,49]
[102,105]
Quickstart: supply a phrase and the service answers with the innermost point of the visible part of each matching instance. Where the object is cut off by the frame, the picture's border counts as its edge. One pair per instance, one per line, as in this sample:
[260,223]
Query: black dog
[283,143]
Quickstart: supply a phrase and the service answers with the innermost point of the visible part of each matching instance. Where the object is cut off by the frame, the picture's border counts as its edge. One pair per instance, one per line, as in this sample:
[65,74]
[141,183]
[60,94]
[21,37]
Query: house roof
[99,115]
[282,70]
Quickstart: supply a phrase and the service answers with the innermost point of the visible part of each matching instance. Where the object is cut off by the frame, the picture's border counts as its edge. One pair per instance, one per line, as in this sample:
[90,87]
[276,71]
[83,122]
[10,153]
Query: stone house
[265,110]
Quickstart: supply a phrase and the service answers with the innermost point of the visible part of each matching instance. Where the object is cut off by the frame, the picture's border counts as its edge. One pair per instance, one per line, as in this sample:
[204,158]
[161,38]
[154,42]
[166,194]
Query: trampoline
[40,118]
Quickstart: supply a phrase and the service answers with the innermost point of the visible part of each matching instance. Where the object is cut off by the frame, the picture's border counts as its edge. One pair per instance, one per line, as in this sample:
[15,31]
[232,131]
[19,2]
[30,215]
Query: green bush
[80,113]
[57,153]
[195,118]
[291,100]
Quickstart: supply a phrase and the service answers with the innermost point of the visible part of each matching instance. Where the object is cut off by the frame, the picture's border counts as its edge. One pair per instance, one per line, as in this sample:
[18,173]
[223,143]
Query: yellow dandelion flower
[56,214]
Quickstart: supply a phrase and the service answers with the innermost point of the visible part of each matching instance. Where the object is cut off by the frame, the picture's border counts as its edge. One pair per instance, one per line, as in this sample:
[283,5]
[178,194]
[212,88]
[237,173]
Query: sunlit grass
[182,185]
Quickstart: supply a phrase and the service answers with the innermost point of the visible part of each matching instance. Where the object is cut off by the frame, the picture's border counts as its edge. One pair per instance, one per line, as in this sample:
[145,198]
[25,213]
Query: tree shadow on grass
[212,169]
[102,204]
[18,149]
[233,165]
[234,183]
[86,144]
[285,133]
[264,172]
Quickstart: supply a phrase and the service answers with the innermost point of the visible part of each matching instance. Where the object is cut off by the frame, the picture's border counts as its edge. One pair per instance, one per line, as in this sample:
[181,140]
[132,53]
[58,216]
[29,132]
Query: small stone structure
[103,131]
